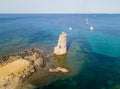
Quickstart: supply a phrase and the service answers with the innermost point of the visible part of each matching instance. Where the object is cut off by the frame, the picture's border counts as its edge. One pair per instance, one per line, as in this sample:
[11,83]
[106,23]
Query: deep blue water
[93,56]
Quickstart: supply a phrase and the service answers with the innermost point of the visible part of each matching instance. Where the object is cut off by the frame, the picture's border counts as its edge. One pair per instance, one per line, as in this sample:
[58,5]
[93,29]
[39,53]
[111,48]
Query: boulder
[59,69]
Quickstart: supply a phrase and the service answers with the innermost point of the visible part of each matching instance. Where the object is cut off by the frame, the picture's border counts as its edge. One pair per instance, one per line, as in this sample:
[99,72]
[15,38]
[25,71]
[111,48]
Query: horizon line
[58,13]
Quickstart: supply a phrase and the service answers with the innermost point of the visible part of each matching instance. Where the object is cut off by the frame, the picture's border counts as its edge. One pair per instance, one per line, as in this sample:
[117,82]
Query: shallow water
[93,56]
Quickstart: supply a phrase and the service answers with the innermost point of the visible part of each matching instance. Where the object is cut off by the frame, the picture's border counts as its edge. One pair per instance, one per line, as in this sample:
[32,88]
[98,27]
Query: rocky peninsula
[15,68]
[19,66]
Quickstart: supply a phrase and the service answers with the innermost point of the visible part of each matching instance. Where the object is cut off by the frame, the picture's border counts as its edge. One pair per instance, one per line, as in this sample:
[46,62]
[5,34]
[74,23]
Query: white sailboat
[70,28]
[91,28]
[86,20]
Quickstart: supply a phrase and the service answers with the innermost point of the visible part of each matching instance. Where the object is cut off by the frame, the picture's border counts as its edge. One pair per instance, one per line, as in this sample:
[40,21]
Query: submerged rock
[61,47]
[59,69]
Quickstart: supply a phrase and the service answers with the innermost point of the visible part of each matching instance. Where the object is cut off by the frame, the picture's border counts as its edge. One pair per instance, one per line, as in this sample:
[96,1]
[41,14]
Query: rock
[21,66]
[59,69]
[61,47]
[32,71]
[38,62]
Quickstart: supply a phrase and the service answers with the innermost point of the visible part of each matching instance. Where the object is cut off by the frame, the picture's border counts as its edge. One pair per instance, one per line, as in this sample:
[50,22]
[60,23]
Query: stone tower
[61,47]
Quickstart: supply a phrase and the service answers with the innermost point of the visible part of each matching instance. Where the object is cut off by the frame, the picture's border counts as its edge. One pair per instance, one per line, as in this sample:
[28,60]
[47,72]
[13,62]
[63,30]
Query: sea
[93,47]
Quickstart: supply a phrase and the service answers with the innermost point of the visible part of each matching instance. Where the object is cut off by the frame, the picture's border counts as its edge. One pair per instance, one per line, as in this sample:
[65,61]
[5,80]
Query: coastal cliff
[20,66]
[61,47]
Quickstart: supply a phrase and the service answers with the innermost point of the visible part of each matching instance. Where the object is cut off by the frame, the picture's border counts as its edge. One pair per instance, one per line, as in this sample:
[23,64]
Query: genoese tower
[61,47]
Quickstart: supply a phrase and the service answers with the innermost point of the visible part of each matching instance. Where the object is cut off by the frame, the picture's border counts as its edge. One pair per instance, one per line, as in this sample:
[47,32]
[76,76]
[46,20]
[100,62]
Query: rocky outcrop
[61,47]
[23,65]
[59,69]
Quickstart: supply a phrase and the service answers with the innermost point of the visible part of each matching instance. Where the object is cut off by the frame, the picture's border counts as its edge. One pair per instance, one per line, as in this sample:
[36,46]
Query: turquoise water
[93,56]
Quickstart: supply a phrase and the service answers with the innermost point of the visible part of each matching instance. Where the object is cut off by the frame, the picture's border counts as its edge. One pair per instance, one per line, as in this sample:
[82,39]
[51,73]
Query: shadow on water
[69,42]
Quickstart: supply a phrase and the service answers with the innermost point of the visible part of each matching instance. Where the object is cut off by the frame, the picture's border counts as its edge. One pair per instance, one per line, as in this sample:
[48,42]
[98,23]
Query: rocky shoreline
[14,68]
